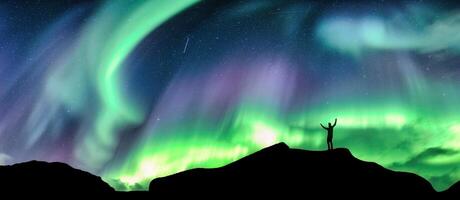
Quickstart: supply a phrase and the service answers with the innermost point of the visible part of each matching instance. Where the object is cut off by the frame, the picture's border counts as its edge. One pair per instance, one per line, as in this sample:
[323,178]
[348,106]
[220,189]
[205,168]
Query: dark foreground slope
[281,171]
[453,191]
[276,171]
[49,178]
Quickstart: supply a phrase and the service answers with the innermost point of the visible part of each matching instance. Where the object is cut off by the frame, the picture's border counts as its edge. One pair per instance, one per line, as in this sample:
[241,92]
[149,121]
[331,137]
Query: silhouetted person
[330,132]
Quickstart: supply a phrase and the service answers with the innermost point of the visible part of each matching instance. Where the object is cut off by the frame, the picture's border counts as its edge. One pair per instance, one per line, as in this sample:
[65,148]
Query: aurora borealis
[133,90]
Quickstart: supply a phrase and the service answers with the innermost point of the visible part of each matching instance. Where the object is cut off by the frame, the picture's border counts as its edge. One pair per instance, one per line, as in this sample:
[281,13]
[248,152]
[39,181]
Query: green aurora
[145,89]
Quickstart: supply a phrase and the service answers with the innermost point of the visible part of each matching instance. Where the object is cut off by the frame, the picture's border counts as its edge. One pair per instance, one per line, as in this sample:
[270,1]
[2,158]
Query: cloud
[120,186]
[443,181]
[4,159]
[354,35]
[438,165]
[428,154]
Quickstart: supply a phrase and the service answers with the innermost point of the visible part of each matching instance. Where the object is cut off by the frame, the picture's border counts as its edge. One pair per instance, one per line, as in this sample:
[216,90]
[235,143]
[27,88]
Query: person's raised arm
[322,126]
[335,122]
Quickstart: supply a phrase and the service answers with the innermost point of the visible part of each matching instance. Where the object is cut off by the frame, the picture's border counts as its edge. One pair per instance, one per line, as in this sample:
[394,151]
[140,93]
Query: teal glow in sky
[132,91]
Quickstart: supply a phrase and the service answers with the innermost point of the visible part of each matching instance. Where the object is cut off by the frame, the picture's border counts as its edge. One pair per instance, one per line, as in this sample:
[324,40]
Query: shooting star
[186,44]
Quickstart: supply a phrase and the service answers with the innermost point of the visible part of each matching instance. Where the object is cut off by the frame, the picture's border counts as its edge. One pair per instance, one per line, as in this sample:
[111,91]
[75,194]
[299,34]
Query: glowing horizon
[131,91]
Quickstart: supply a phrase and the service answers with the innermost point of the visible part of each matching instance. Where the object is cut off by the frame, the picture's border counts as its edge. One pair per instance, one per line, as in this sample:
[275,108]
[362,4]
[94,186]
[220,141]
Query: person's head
[329,124]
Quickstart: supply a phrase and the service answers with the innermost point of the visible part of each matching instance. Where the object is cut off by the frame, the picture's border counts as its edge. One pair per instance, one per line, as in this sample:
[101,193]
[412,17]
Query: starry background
[133,90]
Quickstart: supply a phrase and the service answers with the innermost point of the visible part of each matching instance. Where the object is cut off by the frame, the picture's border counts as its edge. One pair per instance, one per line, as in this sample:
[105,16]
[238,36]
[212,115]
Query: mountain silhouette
[281,171]
[453,190]
[276,171]
[49,178]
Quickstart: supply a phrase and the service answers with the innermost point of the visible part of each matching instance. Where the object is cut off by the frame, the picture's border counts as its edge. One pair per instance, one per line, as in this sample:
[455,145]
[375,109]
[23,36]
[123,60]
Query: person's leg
[332,146]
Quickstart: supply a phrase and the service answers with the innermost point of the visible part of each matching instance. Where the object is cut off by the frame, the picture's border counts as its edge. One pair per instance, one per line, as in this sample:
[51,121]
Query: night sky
[133,90]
